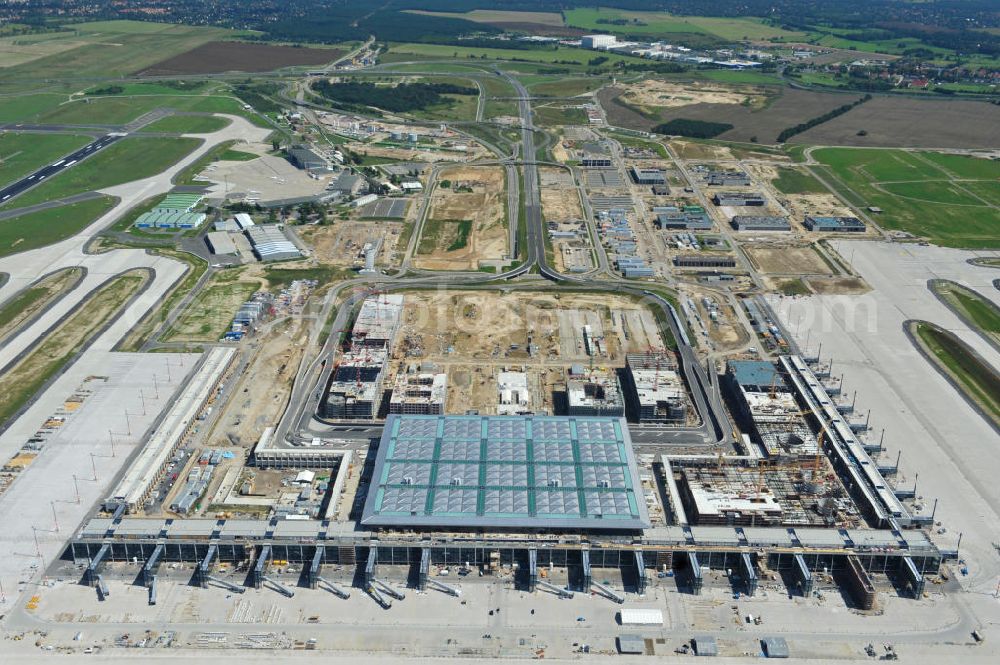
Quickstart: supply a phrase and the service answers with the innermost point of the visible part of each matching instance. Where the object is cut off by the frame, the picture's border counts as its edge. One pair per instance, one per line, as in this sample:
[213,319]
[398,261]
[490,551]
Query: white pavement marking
[951,447]
[44,494]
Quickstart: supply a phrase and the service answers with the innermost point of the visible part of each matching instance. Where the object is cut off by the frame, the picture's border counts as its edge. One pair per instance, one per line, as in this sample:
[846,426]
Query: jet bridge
[278,586]
[912,577]
[205,566]
[260,567]
[749,573]
[423,573]
[804,578]
[152,564]
[697,581]
[312,576]
[532,570]
[333,588]
[588,576]
[94,565]
[641,580]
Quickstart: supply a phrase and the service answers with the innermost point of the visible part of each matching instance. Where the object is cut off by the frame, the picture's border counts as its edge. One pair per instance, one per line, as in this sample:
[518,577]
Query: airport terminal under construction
[798,493]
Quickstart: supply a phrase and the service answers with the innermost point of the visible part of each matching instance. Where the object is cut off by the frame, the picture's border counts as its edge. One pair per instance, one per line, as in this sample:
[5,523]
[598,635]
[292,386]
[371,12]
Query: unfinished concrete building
[419,393]
[656,386]
[596,394]
[355,389]
[513,397]
[766,408]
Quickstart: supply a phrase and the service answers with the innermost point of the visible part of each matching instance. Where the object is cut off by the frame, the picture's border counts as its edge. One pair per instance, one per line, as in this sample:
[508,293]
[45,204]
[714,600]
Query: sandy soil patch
[787,260]
[652,94]
[467,221]
[341,243]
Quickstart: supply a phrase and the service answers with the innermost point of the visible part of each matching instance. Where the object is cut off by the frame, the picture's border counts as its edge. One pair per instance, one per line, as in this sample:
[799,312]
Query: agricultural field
[217,57]
[980,314]
[915,194]
[763,122]
[20,154]
[907,122]
[968,372]
[663,25]
[188,124]
[110,49]
[49,226]
[209,315]
[558,54]
[547,23]
[123,161]
[52,353]
[23,307]
[467,222]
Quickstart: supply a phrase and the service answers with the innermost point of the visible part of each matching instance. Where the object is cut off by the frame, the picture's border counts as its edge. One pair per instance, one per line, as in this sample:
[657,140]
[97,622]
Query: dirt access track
[219,57]
[467,220]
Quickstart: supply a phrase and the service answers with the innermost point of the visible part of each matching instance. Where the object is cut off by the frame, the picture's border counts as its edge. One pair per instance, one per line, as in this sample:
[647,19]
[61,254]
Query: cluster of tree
[258,95]
[106,90]
[398,99]
[819,120]
[697,129]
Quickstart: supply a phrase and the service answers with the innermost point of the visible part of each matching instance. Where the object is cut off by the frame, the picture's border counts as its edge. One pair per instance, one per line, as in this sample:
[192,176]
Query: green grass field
[662,24]
[916,194]
[124,161]
[558,55]
[797,181]
[188,124]
[187,175]
[112,49]
[978,380]
[20,154]
[979,313]
[21,108]
[119,110]
[38,229]
[437,231]
[550,116]
[210,313]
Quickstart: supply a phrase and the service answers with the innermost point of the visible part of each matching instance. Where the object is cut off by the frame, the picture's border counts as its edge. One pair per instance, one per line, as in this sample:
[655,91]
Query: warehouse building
[421,393]
[347,184]
[597,394]
[683,220]
[307,159]
[656,386]
[835,224]
[174,211]
[598,41]
[530,473]
[760,223]
[270,243]
[646,176]
[219,242]
[705,261]
[727,179]
[738,199]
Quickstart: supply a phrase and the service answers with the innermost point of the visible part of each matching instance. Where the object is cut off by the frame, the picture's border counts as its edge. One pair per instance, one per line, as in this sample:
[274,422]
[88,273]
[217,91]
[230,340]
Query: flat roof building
[219,242]
[378,320]
[307,159]
[597,394]
[419,393]
[728,179]
[690,221]
[834,224]
[271,244]
[539,473]
[760,223]
[738,199]
[355,389]
[513,396]
[702,260]
[647,176]
[656,386]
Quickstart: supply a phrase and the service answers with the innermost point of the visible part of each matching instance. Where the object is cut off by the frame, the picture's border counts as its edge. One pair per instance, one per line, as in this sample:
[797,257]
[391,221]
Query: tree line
[819,120]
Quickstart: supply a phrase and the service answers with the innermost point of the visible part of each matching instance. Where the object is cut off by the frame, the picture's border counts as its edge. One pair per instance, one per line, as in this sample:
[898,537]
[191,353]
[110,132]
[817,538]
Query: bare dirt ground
[787,260]
[473,335]
[476,195]
[838,285]
[689,150]
[560,197]
[261,393]
[653,94]
[726,331]
[907,122]
[218,57]
[341,243]
[37,297]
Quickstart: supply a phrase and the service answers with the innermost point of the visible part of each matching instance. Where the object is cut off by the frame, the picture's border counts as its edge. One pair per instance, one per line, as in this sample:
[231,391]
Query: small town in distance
[474,330]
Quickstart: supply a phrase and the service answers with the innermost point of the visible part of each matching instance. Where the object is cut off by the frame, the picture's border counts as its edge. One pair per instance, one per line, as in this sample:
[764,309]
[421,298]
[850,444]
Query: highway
[27,182]
[299,423]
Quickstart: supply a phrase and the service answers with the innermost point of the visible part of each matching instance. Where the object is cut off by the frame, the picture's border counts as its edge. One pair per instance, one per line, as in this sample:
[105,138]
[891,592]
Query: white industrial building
[598,41]
[513,396]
